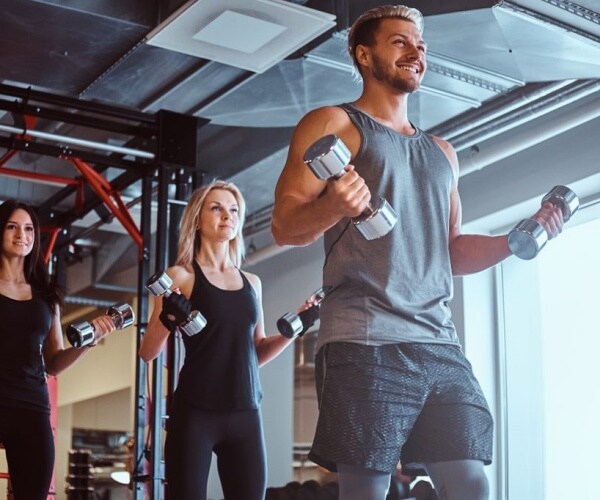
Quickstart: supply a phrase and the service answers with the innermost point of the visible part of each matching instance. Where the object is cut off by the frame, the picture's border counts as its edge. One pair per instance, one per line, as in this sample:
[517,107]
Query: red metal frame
[111,198]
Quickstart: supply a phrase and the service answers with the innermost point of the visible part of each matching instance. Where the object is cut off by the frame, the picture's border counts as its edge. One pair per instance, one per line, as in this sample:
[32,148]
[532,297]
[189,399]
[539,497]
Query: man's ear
[362,54]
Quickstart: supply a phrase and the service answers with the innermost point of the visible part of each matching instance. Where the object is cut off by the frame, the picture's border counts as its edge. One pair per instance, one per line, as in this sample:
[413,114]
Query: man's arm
[305,207]
[471,253]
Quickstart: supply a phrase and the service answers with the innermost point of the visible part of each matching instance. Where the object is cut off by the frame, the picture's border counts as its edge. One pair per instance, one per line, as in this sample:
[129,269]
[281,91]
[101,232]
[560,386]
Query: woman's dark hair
[35,269]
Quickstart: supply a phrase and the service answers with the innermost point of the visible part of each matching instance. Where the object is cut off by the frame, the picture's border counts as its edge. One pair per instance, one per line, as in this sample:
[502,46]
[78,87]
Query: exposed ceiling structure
[248,70]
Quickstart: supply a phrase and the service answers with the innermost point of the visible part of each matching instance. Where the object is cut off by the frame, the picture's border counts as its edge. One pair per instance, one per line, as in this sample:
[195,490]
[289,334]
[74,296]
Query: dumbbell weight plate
[527,238]
[80,334]
[195,323]
[159,284]
[327,157]
[122,315]
[290,325]
[375,223]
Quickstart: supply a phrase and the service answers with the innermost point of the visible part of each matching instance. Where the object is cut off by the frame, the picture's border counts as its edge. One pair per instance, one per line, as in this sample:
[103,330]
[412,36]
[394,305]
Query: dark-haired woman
[31,346]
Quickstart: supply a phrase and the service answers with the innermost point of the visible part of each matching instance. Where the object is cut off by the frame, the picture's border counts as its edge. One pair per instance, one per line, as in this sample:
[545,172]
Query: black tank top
[24,327]
[220,370]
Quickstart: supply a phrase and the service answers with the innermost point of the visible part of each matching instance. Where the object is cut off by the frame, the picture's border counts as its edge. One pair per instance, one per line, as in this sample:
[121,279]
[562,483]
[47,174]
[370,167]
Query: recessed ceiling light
[237,31]
[248,34]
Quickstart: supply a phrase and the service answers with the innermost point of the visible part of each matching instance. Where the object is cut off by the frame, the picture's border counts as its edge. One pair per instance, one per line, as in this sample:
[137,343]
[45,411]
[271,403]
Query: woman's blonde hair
[364,28]
[189,236]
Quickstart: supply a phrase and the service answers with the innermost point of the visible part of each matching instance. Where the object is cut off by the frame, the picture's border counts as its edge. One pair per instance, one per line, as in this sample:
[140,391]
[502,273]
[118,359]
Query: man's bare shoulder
[326,116]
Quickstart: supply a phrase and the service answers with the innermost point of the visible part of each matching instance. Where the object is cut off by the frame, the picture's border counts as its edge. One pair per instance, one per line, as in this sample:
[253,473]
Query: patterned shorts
[408,403]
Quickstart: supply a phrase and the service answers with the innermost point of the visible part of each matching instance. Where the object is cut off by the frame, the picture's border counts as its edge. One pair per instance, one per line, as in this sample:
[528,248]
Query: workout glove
[176,306]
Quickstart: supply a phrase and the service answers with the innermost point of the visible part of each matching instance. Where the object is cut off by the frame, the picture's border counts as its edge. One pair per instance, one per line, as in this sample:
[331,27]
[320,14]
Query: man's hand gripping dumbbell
[529,236]
[328,159]
[84,333]
[176,309]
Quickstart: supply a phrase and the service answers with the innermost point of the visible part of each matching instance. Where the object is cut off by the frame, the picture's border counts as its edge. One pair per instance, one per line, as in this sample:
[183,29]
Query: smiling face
[219,216]
[397,58]
[19,234]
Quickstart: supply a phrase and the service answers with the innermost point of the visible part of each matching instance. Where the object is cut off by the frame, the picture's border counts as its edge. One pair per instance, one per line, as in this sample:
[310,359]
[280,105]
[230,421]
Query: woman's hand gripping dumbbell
[529,236]
[176,309]
[84,333]
[327,158]
[292,325]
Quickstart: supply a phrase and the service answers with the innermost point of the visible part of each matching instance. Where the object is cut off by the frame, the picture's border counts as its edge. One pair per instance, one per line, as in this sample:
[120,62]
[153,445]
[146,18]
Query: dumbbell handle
[160,284]
[82,333]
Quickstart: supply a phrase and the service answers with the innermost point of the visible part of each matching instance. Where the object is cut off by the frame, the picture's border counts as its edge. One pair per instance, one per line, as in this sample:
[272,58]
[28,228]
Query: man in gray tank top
[392,382]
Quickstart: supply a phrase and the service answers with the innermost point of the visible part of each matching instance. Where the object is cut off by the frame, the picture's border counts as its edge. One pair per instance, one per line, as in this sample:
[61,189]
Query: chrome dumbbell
[292,325]
[528,237]
[160,284]
[327,158]
[82,333]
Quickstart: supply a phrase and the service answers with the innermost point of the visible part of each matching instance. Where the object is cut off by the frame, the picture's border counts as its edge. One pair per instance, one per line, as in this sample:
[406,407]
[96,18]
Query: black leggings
[29,444]
[236,437]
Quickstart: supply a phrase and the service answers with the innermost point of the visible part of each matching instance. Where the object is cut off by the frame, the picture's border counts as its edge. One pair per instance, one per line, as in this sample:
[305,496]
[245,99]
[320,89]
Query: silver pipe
[87,301]
[79,142]
[552,102]
[472,161]
[497,108]
[114,288]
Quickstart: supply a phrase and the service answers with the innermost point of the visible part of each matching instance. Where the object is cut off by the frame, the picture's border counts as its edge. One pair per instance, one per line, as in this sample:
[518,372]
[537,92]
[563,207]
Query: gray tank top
[395,288]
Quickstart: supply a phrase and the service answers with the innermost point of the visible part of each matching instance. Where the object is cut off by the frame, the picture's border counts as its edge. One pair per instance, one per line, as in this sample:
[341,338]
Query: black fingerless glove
[177,306]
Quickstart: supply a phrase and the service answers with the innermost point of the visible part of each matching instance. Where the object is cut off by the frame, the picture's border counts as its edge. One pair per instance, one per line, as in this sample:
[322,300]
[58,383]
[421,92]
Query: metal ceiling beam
[85,120]
[567,6]
[28,95]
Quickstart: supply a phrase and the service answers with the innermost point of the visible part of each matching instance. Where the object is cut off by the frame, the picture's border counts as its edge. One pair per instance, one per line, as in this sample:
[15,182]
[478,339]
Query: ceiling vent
[249,34]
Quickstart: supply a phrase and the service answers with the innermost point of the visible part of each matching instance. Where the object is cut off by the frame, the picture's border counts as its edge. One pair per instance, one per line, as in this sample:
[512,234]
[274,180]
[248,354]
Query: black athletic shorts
[409,403]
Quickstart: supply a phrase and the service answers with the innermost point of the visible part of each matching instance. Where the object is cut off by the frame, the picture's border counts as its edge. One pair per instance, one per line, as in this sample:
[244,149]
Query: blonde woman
[216,406]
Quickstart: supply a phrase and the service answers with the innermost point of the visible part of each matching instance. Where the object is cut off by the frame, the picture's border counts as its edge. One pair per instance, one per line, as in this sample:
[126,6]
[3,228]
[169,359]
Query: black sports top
[24,326]
[220,370]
